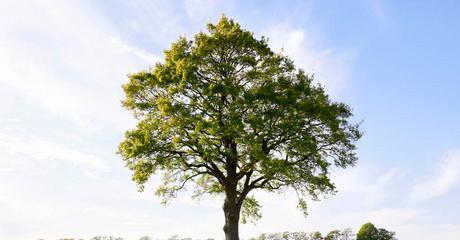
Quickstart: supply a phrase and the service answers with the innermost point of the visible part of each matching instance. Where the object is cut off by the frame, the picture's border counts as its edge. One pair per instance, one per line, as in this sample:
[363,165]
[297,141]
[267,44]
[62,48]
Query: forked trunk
[232,217]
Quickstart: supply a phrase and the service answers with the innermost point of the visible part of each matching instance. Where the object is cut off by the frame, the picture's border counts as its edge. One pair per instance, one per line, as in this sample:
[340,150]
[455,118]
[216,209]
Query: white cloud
[54,55]
[33,154]
[392,217]
[428,232]
[391,175]
[371,185]
[141,53]
[445,177]
[329,66]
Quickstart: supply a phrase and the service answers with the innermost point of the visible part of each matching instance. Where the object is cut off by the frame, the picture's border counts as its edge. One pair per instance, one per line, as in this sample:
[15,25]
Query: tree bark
[232,216]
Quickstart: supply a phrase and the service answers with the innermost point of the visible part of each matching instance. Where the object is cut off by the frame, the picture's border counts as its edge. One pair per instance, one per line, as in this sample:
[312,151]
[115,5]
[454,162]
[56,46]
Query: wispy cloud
[392,217]
[372,185]
[444,177]
[141,53]
[73,68]
[32,154]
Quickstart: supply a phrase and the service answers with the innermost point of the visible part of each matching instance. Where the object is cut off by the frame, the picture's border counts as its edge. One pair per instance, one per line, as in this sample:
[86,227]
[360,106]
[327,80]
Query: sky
[62,64]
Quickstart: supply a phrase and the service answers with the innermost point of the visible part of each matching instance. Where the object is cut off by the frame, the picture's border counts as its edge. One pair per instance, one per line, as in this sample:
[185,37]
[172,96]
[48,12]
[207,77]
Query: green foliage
[316,236]
[369,232]
[384,234]
[229,115]
[333,235]
[250,210]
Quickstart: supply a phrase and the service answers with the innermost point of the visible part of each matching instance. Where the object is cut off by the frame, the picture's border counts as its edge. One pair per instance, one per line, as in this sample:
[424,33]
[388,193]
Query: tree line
[368,231]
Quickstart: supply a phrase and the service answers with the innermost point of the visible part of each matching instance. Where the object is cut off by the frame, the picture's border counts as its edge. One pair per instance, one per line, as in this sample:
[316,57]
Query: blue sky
[62,64]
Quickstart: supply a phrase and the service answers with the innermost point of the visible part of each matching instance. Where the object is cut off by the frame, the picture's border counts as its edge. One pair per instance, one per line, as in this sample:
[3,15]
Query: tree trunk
[232,217]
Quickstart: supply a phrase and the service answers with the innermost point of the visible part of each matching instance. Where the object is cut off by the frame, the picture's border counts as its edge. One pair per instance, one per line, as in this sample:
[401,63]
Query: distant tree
[106,238]
[346,234]
[369,232]
[299,236]
[333,235]
[384,234]
[176,237]
[283,236]
[265,236]
[316,236]
[145,238]
[229,115]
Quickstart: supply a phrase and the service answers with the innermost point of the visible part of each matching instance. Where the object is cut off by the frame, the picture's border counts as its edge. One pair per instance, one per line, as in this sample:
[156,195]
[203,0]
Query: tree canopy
[369,232]
[228,115]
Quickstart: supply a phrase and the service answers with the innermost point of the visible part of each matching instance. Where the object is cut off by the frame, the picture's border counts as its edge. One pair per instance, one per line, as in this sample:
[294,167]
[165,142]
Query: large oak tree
[225,113]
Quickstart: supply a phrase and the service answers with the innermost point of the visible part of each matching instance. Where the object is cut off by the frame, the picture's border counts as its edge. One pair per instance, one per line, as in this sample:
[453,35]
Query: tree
[228,115]
[384,234]
[333,235]
[369,232]
[145,238]
[346,234]
[106,238]
[283,236]
[316,236]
